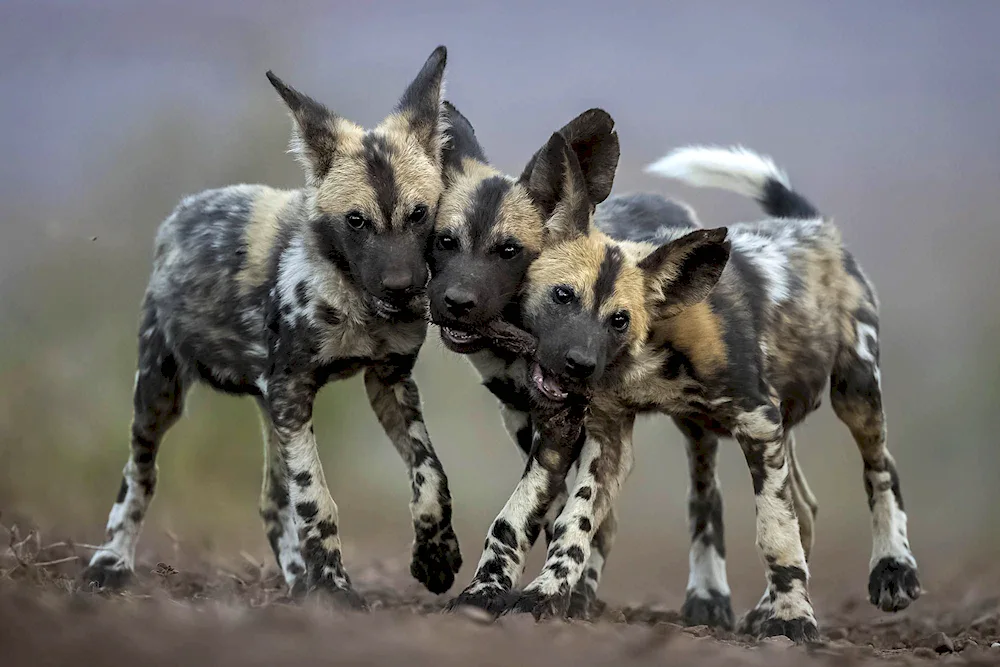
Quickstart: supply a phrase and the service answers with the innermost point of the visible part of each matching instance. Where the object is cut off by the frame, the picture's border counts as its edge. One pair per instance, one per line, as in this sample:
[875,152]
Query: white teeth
[458,336]
[547,386]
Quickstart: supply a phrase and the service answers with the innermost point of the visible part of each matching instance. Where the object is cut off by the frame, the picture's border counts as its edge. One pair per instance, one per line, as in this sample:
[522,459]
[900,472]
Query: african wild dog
[489,230]
[730,332]
[272,294]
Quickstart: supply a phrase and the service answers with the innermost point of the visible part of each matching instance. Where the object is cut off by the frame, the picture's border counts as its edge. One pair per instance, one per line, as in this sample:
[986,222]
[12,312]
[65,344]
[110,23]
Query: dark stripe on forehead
[484,210]
[607,275]
[377,154]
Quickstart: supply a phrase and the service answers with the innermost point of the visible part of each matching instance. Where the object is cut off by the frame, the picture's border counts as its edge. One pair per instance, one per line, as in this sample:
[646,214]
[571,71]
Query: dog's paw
[799,630]
[584,605]
[893,584]
[491,599]
[107,574]
[538,604]
[436,561]
[761,622]
[338,595]
[715,611]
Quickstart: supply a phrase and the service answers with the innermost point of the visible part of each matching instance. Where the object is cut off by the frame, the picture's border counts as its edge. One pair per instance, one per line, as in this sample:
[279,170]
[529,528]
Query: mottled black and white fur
[272,294]
[732,333]
[490,228]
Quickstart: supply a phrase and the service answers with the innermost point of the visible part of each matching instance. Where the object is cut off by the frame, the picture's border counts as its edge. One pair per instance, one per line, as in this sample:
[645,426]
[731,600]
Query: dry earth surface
[188,609]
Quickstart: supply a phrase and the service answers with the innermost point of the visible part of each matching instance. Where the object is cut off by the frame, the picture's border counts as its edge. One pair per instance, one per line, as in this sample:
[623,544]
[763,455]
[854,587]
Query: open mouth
[397,311]
[547,386]
[461,340]
[384,307]
[458,336]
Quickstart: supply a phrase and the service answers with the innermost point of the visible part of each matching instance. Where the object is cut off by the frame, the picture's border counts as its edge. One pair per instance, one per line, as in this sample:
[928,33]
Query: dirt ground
[203,612]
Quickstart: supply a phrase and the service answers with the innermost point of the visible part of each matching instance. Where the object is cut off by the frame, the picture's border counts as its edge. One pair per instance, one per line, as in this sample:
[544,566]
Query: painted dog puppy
[730,333]
[272,294]
[489,230]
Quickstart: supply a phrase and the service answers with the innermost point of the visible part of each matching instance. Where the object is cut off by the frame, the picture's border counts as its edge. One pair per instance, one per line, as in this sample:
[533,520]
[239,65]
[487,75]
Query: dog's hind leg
[707,601]
[856,395]
[277,513]
[158,400]
[802,496]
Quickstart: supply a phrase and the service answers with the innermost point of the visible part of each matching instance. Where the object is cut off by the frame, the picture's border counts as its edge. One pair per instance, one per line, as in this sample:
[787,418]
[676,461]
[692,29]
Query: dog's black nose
[397,283]
[580,364]
[459,301]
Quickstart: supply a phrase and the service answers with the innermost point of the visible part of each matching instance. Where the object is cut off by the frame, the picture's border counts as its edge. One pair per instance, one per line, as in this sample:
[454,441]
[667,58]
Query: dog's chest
[366,336]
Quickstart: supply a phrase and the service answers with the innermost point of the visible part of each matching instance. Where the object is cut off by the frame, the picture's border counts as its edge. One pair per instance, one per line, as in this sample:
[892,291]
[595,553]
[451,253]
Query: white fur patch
[737,169]
[864,352]
[707,571]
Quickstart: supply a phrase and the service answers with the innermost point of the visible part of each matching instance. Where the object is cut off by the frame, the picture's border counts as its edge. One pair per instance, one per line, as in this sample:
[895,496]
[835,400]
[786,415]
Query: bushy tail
[739,170]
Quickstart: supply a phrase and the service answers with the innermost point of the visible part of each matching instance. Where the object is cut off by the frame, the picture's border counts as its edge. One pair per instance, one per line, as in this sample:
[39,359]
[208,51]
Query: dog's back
[792,295]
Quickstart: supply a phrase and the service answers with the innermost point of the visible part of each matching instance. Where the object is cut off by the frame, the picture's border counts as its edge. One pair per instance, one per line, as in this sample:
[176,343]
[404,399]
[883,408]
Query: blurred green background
[884,114]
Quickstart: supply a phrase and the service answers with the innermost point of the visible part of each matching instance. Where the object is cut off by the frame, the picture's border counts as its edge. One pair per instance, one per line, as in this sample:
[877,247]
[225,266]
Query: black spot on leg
[494,568]
[135,516]
[595,467]
[326,528]
[307,510]
[706,520]
[783,577]
[503,532]
[303,479]
[272,538]
[754,453]
[559,570]
[278,492]
[584,493]
[894,485]
[558,531]
[122,492]
[575,554]
[585,525]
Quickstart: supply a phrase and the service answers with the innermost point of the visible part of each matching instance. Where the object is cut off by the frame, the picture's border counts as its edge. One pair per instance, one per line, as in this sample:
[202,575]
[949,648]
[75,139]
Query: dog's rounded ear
[684,272]
[592,138]
[555,183]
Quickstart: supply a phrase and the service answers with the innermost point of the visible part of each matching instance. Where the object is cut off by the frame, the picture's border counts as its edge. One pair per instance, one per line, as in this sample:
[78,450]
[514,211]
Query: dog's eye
[620,320]
[418,215]
[355,220]
[562,294]
[446,242]
[510,251]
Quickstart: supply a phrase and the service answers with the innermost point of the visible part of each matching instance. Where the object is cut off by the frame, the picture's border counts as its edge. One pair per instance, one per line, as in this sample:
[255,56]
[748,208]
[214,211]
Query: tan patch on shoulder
[259,235]
[697,332]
